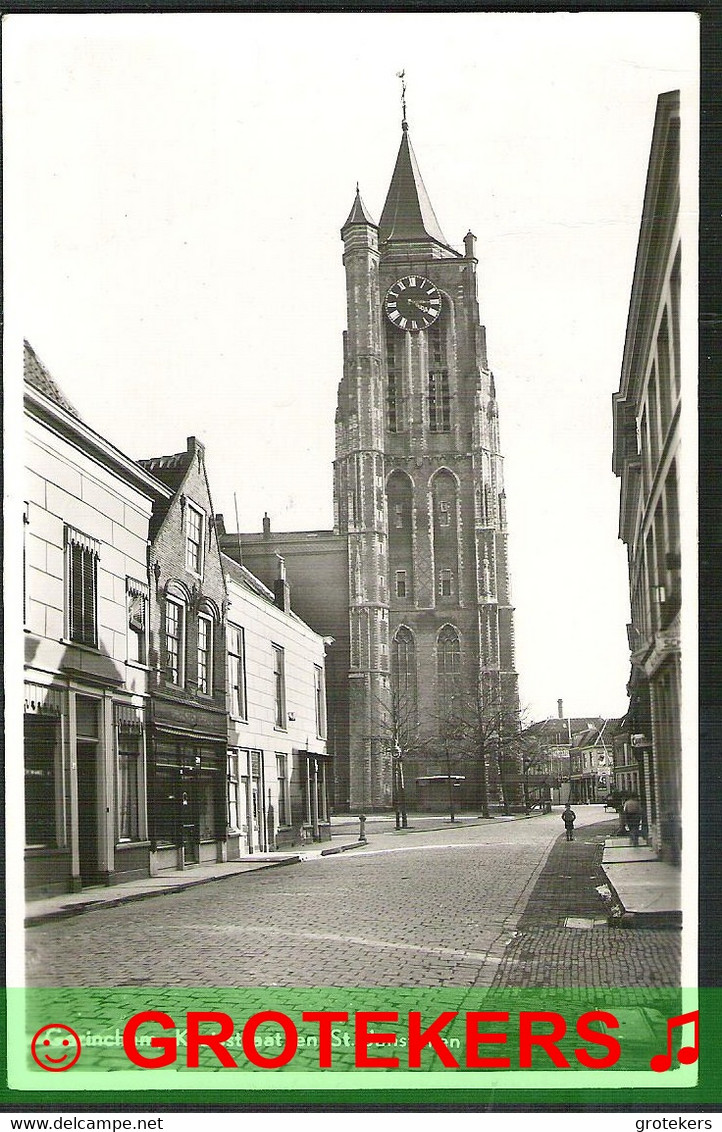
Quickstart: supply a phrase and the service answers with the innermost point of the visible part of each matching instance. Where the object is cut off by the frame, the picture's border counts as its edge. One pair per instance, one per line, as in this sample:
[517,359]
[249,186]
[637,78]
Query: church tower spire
[408,220]
[419,498]
[359,214]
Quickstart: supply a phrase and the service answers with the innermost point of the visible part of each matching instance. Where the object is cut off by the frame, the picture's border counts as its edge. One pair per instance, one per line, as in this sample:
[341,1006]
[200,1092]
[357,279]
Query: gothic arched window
[395,416]
[444,497]
[403,676]
[438,395]
[448,667]
[400,505]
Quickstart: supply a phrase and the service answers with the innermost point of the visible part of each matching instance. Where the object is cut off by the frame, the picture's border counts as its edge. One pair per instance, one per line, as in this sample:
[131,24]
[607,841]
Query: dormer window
[194,539]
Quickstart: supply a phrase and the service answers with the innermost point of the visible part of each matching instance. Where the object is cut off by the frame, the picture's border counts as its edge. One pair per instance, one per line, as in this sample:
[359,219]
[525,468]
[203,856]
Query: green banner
[290,1039]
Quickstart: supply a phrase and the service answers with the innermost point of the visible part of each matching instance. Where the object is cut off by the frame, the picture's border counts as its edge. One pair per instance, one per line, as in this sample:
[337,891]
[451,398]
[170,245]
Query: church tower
[418,497]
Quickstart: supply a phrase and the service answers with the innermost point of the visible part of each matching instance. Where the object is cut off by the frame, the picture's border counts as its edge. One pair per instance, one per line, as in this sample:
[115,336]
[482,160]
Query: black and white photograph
[350,548]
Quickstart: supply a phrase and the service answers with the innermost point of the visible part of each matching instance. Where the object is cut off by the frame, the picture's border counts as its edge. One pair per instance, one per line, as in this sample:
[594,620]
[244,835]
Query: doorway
[252,799]
[188,818]
[87,746]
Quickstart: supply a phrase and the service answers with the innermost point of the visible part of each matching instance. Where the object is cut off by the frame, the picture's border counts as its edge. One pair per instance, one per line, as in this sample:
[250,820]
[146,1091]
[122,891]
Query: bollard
[362,827]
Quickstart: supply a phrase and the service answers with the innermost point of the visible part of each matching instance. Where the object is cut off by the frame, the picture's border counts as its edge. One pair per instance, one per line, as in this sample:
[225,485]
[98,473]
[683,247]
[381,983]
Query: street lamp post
[483,783]
[448,775]
[399,788]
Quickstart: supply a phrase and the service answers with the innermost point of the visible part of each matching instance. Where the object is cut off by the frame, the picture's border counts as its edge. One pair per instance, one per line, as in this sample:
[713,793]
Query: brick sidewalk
[549,952]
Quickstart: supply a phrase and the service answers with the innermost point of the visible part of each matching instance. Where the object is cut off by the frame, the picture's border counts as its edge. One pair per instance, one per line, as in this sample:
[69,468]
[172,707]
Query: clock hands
[413,303]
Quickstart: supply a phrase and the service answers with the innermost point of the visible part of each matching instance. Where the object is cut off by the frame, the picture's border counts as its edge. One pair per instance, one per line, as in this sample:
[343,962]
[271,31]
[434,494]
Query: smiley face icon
[55,1048]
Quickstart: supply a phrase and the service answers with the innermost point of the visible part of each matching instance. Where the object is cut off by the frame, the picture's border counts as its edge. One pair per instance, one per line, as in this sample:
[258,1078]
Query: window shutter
[88,565]
[76,592]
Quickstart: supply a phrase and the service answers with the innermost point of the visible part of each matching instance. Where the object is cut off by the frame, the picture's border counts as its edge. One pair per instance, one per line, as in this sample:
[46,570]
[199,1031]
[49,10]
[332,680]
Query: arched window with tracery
[446,538]
[438,396]
[403,675]
[448,667]
[400,505]
[395,405]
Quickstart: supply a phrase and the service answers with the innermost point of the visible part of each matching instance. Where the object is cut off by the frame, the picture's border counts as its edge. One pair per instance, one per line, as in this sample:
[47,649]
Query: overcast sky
[174,190]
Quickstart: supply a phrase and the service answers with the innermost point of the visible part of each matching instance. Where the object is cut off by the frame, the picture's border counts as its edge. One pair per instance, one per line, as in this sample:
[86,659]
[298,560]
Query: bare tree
[400,733]
[490,730]
[533,756]
[477,733]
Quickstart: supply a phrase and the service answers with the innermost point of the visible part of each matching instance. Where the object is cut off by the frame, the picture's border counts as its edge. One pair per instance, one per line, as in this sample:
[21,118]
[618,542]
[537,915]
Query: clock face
[412,303]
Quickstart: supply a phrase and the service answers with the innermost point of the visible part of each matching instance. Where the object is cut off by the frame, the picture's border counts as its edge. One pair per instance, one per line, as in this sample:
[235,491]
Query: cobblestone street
[418,909]
[546,952]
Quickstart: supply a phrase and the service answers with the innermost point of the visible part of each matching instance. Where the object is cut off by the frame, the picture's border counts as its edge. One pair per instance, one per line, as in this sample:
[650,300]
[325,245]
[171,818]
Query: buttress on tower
[418,492]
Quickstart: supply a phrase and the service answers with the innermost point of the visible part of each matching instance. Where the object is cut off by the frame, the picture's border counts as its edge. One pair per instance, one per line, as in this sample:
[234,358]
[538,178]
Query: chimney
[281,588]
[195,448]
[470,245]
[560,708]
[266,526]
[220,525]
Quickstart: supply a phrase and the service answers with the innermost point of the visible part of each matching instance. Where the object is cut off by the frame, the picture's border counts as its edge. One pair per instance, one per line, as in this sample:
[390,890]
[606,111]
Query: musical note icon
[686,1055]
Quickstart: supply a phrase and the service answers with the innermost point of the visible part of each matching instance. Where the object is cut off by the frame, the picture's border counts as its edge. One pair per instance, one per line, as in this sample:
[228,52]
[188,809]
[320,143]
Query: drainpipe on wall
[313,785]
[263,827]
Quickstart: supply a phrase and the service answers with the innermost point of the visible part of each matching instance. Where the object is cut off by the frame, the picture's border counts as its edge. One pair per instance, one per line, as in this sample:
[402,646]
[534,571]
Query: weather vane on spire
[402,75]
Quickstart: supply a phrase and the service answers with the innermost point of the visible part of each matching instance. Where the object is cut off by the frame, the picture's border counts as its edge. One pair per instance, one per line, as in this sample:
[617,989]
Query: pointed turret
[407,215]
[359,214]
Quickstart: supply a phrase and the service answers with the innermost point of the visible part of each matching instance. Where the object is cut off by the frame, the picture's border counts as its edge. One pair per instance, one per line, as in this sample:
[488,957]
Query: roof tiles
[407,213]
[38,376]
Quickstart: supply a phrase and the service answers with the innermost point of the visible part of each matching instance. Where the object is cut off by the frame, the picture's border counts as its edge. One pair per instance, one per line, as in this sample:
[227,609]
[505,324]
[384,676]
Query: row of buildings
[175,707]
[176,704]
[571,759]
[642,753]
[582,760]
[646,458]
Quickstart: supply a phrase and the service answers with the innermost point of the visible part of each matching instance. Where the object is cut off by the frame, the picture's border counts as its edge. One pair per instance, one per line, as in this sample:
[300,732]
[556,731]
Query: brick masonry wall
[186,706]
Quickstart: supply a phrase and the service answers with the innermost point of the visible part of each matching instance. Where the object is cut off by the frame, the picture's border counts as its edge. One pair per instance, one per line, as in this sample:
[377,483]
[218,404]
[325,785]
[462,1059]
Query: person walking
[569,817]
[633,818]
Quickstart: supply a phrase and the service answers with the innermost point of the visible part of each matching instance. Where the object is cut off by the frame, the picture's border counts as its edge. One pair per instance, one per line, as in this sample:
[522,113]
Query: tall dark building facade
[420,528]
[646,458]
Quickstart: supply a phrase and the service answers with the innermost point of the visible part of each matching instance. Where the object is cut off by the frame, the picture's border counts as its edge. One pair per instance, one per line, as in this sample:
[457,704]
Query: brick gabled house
[188,727]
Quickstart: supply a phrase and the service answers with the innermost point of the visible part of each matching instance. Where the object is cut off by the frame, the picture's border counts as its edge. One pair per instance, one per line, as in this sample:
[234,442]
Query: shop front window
[206,805]
[129,750]
[41,745]
[167,792]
